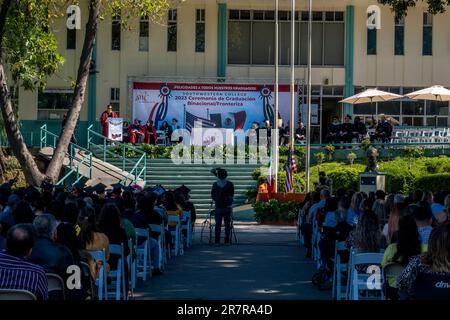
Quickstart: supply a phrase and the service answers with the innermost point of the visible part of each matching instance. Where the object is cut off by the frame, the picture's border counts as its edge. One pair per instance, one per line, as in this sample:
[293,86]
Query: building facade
[233,41]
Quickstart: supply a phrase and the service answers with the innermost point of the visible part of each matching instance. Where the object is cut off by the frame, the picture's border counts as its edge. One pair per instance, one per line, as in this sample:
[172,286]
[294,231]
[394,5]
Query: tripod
[209,226]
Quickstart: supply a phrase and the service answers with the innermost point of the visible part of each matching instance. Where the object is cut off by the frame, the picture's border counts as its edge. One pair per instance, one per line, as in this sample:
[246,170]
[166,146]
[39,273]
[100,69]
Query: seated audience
[407,245]
[346,130]
[424,218]
[136,132]
[150,133]
[391,227]
[422,274]
[17,273]
[359,129]
[333,131]
[53,257]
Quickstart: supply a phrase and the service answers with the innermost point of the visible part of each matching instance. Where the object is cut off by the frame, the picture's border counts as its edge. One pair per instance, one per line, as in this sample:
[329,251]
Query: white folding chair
[101,282]
[56,284]
[359,281]
[315,242]
[143,265]
[159,228]
[340,270]
[186,228]
[15,294]
[131,260]
[175,231]
[161,138]
[118,276]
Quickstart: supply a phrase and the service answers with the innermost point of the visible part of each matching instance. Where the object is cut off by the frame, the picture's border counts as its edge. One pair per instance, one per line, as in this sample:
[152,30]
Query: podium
[372,181]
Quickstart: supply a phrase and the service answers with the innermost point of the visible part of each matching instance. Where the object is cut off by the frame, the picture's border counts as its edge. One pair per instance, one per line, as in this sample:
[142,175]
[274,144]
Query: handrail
[103,145]
[44,134]
[377,144]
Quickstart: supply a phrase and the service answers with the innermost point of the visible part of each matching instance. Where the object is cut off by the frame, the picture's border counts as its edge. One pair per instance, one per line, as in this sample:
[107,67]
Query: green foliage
[437,165]
[129,150]
[330,151]
[351,157]
[274,210]
[433,182]
[345,178]
[320,158]
[365,144]
[299,182]
[251,195]
[401,7]
[156,152]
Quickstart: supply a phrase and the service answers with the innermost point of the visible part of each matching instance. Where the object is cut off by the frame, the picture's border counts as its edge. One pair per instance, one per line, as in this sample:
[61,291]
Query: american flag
[193,121]
[291,168]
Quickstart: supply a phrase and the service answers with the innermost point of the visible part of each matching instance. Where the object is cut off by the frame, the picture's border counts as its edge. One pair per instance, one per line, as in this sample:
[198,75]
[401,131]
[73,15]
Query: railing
[139,163]
[386,145]
[75,163]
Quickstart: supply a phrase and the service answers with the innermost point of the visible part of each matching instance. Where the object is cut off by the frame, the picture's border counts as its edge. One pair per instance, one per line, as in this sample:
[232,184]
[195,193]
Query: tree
[38,58]
[401,6]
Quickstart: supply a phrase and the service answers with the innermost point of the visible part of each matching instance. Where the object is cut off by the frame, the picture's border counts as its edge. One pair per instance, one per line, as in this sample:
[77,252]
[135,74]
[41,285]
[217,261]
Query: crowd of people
[412,230]
[46,231]
[348,132]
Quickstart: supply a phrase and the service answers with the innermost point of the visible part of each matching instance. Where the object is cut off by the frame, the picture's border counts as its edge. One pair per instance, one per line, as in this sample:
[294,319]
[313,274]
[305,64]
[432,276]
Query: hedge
[433,182]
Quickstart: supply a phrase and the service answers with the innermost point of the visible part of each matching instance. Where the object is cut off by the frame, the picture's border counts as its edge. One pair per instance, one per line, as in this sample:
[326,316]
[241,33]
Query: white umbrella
[370,96]
[434,93]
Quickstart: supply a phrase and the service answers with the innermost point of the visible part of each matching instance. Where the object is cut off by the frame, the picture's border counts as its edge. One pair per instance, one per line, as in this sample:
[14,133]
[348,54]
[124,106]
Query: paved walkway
[266,264]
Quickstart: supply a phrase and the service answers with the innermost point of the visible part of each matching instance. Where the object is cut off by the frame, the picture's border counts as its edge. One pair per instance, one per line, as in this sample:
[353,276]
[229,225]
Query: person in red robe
[135,131]
[150,133]
[109,113]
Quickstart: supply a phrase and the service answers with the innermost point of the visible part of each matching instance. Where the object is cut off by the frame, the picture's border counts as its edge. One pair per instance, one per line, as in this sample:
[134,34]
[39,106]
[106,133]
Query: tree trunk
[31,171]
[2,165]
[56,163]
[15,138]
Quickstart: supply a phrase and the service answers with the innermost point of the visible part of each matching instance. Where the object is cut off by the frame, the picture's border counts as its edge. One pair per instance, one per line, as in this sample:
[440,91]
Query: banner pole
[292,111]
[308,111]
[275,141]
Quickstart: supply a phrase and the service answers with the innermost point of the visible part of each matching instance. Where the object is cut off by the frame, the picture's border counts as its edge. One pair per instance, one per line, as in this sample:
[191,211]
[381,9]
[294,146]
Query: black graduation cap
[128,189]
[159,190]
[183,189]
[31,193]
[99,188]
[6,187]
[79,186]
[47,186]
[89,190]
[60,187]
[117,186]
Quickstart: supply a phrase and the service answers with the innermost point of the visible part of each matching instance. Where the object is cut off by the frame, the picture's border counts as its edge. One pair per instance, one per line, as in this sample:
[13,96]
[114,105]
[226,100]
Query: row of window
[399,37]
[144,33]
[251,38]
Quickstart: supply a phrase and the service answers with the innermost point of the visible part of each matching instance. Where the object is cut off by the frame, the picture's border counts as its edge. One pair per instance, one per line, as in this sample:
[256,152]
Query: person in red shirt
[150,133]
[109,113]
[135,131]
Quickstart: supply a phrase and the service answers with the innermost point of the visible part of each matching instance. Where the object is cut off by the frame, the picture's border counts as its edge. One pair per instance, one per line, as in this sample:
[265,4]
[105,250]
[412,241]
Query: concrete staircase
[196,177]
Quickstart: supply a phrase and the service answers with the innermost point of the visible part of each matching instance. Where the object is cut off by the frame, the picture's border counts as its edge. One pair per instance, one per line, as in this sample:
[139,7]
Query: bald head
[20,240]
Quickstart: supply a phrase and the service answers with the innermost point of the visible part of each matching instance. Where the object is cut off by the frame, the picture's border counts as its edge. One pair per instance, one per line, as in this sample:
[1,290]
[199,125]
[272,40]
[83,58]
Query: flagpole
[292,113]
[308,111]
[277,75]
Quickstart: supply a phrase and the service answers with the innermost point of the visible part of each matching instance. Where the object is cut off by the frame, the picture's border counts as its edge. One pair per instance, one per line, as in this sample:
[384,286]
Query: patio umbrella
[434,93]
[371,96]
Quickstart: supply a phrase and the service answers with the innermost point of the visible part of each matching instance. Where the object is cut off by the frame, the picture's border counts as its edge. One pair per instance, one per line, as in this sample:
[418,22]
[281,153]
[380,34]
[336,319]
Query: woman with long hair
[355,208]
[91,239]
[367,236]
[391,227]
[435,262]
[407,245]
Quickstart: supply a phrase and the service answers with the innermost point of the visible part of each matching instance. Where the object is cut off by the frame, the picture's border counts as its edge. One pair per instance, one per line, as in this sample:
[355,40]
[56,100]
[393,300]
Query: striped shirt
[16,273]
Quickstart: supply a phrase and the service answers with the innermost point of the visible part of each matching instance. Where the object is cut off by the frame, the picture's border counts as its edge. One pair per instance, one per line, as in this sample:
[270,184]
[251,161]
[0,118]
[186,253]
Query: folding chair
[159,228]
[13,294]
[131,261]
[340,270]
[161,138]
[315,242]
[56,286]
[101,281]
[358,282]
[143,265]
[175,232]
[186,227]
[117,276]
[85,270]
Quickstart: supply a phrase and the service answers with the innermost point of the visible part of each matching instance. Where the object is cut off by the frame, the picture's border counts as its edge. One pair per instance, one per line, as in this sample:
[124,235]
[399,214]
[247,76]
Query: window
[200,31]
[251,37]
[115,31]
[172,31]
[71,39]
[399,37]
[371,41]
[52,104]
[114,99]
[427,49]
[144,32]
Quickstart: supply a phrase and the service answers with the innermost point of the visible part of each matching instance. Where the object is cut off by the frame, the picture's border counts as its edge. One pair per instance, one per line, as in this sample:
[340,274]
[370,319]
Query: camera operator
[222,193]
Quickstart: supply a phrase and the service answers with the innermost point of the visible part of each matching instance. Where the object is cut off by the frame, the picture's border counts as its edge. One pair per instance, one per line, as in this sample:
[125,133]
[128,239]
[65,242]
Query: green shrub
[351,157]
[129,150]
[330,151]
[433,182]
[345,178]
[274,210]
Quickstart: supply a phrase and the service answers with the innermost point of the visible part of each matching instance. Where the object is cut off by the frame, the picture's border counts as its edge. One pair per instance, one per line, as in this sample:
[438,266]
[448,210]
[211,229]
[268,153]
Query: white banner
[115,129]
